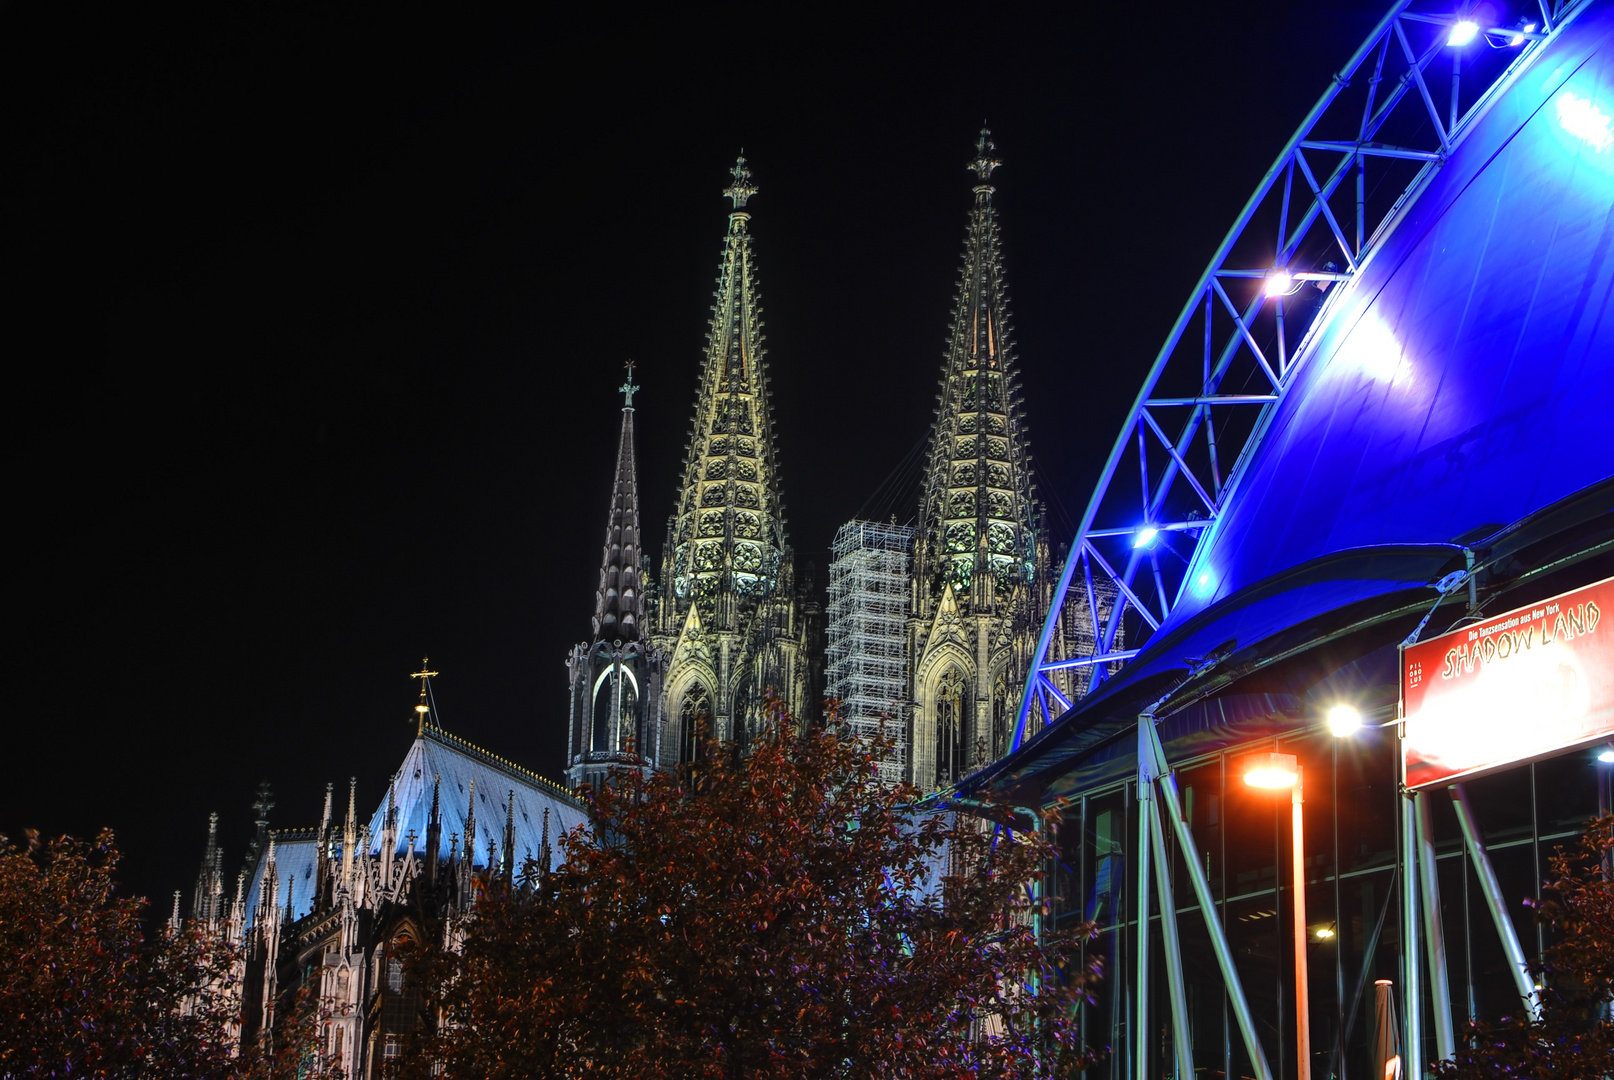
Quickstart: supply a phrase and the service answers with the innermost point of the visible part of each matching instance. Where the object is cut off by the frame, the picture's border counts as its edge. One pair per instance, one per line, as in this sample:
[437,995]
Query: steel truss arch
[1276,279]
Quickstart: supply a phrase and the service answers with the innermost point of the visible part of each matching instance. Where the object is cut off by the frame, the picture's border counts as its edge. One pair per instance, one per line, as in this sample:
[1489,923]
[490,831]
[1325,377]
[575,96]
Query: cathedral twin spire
[728,529]
[978,519]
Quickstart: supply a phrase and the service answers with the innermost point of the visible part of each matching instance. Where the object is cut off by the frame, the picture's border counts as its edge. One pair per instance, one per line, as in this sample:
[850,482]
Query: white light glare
[1584,121]
[1463,32]
[1607,756]
[1146,536]
[1518,39]
[1343,720]
[1324,933]
[1280,283]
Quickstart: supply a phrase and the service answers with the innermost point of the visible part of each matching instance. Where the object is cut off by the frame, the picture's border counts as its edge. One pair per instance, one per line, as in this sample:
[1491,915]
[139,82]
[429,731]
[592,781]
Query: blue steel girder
[1250,329]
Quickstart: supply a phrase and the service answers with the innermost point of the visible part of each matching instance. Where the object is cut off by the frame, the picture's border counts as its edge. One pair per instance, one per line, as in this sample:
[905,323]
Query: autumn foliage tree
[84,991]
[774,912]
[1573,1036]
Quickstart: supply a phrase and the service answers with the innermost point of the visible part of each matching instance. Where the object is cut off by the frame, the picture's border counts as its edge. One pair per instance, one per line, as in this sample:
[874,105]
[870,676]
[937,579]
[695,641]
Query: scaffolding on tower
[868,658]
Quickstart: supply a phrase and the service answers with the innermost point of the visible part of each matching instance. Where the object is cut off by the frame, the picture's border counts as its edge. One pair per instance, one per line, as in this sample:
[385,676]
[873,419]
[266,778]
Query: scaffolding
[868,653]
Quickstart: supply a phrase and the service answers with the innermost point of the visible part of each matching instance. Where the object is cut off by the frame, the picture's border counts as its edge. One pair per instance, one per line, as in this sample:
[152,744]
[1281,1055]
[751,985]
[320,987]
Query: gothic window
[616,701]
[966,448]
[1000,538]
[961,504]
[997,448]
[708,557]
[747,525]
[712,496]
[694,712]
[712,523]
[1000,504]
[745,447]
[746,496]
[964,474]
[997,475]
[745,470]
[747,557]
[952,728]
[966,424]
[995,425]
[1005,711]
[969,394]
[961,571]
[717,470]
[718,446]
[394,974]
[961,536]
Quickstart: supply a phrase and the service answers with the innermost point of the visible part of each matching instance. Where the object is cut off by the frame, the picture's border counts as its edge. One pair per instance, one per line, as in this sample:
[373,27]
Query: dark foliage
[1572,1037]
[771,914]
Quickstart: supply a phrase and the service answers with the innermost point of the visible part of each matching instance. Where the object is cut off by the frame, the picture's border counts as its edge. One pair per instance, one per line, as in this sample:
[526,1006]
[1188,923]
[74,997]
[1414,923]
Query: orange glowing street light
[1276,772]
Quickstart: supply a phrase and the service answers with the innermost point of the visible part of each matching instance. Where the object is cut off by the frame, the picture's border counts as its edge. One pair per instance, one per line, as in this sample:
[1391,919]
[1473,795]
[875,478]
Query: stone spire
[979,521]
[619,602]
[729,532]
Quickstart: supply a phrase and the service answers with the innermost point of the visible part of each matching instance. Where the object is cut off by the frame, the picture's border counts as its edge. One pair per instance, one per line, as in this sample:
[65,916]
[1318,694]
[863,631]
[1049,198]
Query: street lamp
[1276,772]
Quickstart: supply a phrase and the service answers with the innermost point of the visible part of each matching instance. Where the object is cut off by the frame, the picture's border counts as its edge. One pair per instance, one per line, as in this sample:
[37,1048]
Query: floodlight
[422,708]
[1280,283]
[1463,32]
[1323,933]
[1344,720]
[1271,770]
[1146,536]
[1518,39]
[1607,755]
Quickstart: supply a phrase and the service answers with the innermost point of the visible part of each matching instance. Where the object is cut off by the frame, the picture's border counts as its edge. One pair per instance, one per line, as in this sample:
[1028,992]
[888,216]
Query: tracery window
[695,710]
[952,728]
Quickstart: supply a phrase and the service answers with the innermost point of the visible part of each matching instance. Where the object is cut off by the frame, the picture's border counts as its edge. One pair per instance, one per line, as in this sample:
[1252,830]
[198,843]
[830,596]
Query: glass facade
[1353,898]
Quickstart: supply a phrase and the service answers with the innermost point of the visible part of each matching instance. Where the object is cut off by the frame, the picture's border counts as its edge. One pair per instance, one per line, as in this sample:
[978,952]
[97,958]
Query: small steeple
[434,832]
[619,601]
[985,161]
[509,869]
[470,826]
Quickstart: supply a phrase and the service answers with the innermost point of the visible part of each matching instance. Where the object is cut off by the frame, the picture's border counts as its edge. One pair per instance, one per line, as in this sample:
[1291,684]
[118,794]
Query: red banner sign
[1517,686]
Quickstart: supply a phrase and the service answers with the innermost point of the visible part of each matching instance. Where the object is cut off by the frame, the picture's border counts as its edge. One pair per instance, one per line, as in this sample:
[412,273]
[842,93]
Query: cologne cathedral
[930,632]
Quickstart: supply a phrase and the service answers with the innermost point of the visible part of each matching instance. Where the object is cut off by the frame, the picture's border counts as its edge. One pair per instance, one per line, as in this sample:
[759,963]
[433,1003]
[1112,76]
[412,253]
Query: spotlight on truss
[1463,32]
[1145,536]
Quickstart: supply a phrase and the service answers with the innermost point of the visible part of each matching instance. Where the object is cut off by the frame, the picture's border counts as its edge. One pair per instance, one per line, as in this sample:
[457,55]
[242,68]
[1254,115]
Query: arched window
[1004,713]
[952,728]
[693,713]
[616,705]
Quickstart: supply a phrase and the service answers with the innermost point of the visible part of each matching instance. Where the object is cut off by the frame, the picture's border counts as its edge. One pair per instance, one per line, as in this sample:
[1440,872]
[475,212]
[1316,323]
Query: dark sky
[314,322]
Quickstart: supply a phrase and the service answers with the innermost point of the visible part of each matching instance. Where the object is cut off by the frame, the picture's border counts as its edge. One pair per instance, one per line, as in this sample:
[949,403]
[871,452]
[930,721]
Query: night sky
[315,320]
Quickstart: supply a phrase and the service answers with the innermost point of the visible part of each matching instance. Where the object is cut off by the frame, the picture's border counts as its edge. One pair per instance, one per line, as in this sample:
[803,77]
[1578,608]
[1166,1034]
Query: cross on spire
[742,188]
[628,389]
[985,157]
[422,710]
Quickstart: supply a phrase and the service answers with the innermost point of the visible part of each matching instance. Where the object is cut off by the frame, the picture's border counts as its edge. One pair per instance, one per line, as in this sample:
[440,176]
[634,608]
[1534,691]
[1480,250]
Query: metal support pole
[1297,801]
[1180,1033]
[1434,935]
[1412,995]
[1207,905]
[1140,993]
[1492,892]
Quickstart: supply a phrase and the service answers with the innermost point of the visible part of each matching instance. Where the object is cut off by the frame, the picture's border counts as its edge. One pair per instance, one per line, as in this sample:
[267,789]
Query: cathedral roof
[978,517]
[455,764]
[729,533]
[619,601]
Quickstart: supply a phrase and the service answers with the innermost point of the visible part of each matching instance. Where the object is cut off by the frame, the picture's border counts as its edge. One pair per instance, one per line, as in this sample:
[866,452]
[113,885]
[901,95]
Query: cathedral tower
[616,680]
[730,617]
[981,555]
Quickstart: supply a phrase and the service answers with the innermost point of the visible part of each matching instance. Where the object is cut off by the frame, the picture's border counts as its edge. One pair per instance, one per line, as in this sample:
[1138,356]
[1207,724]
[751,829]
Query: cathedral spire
[729,535]
[619,602]
[978,516]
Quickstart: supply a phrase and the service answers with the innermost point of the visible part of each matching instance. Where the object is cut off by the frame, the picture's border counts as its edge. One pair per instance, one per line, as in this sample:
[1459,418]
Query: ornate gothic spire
[729,534]
[978,515]
[619,602]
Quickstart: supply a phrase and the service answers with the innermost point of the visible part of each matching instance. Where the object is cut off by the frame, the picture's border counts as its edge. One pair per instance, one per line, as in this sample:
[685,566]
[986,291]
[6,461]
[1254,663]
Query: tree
[84,992]
[1571,1037]
[771,913]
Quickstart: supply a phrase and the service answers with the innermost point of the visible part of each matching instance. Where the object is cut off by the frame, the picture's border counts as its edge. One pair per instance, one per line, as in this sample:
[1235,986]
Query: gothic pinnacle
[742,188]
[985,159]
